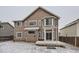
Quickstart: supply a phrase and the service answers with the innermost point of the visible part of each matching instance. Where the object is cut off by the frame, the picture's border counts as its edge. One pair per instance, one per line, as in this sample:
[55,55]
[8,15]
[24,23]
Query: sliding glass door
[48,35]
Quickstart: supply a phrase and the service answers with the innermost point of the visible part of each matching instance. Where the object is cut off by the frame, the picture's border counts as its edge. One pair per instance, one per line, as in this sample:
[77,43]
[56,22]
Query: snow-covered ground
[24,47]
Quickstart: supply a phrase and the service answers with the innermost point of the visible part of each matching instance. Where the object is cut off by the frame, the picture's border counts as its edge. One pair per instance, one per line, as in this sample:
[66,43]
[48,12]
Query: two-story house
[39,25]
[6,31]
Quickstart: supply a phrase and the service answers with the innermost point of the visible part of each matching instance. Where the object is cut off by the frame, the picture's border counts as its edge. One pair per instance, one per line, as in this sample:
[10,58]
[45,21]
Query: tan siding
[69,31]
[7,30]
[39,15]
[31,37]
[78,29]
[19,29]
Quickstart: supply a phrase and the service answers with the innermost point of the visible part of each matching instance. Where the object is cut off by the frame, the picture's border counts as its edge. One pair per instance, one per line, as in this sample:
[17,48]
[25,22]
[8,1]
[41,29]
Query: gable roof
[43,10]
[70,24]
[37,10]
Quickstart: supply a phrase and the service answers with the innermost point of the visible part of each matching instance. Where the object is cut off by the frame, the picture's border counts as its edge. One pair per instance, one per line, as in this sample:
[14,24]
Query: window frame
[2,28]
[48,22]
[18,33]
[48,35]
[31,32]
[35,24]
[32,23]
[40,34]
[18,24]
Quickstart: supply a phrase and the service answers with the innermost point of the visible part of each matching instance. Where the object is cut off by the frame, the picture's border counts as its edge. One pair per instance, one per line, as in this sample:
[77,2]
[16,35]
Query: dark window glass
[48,21]
[32,23]
[39,34]
[48,36]
[19,34]
[31,32]
[17,23]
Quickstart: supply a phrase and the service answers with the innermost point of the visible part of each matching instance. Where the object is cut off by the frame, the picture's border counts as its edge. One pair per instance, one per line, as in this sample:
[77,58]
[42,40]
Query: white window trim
[17,33]
[52,21]
[40,34]
[49,24]
[33,21]
[45,22]
[20,24]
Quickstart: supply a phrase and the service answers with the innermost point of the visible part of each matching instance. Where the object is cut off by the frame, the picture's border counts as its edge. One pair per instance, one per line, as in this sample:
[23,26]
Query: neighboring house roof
[18,21]
[70,24]
[8,24]
[37,10]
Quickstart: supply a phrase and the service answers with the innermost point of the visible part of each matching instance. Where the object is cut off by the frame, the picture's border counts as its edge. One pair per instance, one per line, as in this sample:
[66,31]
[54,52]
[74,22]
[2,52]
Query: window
[19,34]
[2,28]
[48,21]
[25,33]
[17,23]
[33,23]
[48,35]
[39,34]
[56,22]
[31,32]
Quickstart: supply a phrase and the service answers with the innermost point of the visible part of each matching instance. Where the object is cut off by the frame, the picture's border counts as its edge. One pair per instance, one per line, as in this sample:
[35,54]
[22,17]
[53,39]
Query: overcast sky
[67,14]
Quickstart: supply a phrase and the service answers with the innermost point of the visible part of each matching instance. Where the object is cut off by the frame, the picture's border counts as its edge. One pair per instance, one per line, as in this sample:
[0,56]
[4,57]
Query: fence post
[75,40]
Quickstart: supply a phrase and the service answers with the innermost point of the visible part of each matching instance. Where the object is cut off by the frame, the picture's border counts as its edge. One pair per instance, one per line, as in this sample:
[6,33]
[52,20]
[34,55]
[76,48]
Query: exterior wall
[38,17]
[55,29]
[7,30]
[78,29]
[41,32]
[19,29]
[31,37]
[69,31]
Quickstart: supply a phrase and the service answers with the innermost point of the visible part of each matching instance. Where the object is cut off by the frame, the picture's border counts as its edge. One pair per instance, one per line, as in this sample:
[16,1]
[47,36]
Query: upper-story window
[18,23]
[2,27]
[48,21]
[33,23]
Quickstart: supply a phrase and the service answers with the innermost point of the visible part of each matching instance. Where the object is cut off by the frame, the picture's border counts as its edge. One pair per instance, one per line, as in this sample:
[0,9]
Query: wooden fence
[71,40]
[5,38]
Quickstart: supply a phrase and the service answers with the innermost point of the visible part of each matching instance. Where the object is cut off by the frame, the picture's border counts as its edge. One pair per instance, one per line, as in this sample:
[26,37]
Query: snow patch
[45,43]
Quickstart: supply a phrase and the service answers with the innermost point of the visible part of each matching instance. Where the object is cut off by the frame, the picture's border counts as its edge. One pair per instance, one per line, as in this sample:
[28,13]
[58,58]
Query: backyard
[24,47]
